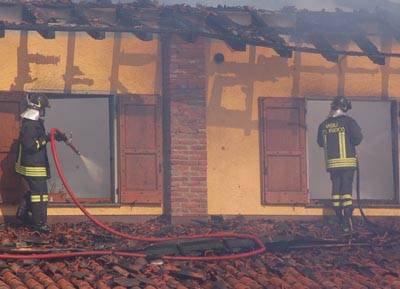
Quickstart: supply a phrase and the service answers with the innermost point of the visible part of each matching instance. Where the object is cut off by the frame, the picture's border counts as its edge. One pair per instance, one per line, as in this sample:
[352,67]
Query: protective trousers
[38,200]
[25,208]
[342,188]
[39,209]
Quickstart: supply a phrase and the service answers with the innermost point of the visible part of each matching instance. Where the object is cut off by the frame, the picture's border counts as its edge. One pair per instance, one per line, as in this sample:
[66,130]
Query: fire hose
[72,194]
[372,226]
[112,231]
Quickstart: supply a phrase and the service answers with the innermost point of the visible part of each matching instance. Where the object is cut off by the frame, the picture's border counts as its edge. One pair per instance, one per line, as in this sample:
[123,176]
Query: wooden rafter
[144,19]
[80,17]
[327,51]
[225,25]
[126,17]
[2,29]
[269,33]
[369,48]
[34,15]
[176,21]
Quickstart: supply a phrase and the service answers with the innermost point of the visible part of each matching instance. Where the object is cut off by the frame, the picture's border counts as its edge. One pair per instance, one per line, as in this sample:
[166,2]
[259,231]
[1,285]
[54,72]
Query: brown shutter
[10,109]
[283,151]
[140,144]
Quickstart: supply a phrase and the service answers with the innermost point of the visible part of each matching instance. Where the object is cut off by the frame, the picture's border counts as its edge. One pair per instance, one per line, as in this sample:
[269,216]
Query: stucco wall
[232,115]
[76,62]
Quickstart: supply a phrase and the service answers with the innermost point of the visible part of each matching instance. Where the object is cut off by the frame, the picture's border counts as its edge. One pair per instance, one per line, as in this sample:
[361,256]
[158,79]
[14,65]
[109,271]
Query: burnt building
[200,111]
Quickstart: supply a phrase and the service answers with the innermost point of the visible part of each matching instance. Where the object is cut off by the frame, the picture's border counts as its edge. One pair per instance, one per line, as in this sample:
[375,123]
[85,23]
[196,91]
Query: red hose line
[111,230]
[49,256]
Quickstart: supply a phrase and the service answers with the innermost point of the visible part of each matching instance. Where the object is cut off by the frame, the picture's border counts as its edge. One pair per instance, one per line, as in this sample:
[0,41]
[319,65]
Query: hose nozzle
[71,145]
[68,141]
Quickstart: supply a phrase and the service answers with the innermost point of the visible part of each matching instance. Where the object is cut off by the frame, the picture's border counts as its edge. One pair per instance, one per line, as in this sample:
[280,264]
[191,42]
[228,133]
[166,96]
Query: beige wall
[76,62]
[232,118]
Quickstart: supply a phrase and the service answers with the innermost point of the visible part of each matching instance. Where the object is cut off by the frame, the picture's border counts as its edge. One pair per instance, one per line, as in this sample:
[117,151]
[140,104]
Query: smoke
[316,5]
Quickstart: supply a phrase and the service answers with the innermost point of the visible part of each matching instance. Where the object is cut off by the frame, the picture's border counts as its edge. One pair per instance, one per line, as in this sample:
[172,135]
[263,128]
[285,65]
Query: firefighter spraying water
[33,164]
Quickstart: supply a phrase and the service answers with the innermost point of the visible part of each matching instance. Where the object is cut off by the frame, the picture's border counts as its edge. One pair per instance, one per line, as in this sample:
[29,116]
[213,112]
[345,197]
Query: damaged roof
[325,31]
[363,267]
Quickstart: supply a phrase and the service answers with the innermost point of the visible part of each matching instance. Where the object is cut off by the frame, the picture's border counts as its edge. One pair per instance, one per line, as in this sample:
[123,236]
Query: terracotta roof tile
[376,266]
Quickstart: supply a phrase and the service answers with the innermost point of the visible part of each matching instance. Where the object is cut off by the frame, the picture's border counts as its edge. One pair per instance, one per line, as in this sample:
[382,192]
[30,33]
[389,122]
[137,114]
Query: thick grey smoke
[391,5]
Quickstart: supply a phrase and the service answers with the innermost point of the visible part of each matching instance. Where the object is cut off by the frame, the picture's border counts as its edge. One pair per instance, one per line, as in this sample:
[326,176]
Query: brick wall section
[187,91]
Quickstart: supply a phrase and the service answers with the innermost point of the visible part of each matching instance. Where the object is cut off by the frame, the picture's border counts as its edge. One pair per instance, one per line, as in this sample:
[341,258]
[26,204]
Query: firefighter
[32,163]
[339,135]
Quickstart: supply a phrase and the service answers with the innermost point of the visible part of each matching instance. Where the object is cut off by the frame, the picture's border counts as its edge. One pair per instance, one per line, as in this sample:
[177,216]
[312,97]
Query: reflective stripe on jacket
[339,137]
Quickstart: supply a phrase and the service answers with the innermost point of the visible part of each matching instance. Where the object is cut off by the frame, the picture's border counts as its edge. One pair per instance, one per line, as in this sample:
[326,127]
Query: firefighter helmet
[37,101]
[342,103]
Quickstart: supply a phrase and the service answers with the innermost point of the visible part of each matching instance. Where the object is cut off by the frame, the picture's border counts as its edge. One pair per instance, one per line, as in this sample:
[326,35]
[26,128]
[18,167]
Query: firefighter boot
[24,208]
[44,227]
[339,216]
[348,224]
[39,217]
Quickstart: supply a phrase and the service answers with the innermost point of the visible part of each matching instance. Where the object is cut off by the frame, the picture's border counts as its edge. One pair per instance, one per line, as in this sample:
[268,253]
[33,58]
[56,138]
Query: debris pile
[374,266]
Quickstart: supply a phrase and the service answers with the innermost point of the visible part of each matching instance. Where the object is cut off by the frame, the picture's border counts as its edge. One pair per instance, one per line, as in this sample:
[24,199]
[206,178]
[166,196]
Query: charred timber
[270,33]
[126,17]
[31,14]
[80,17]
[369,48]
[162,30]
[2,29]
[171,19]
[328,52]
[223,24]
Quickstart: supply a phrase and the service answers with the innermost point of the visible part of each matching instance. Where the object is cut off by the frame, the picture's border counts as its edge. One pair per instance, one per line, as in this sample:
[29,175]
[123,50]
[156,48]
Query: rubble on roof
[376,266]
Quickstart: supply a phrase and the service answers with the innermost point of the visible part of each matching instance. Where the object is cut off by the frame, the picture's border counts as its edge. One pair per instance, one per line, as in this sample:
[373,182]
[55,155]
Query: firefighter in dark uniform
[339,135]
[32,163]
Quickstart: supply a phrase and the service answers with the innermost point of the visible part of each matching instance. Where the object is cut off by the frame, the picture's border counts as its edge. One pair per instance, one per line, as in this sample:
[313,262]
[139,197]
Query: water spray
[93,169]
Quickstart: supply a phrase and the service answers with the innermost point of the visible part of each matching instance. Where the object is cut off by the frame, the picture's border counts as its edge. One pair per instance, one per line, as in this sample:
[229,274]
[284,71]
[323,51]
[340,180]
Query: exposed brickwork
[187,91]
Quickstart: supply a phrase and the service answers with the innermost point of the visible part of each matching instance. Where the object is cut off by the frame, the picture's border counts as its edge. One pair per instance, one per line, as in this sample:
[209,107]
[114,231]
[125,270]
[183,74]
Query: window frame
[113,197]
[395,133]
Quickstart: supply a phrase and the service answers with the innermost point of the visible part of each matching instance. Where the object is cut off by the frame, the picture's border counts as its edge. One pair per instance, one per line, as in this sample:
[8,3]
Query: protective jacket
[339,136]
[32,158]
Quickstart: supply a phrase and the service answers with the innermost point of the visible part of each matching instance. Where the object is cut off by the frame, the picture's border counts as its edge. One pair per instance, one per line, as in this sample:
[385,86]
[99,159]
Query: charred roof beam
[280,47]
[181,23]
[327,51]
[225,25]
[33,15]
[126,17]
[2,29]
[80,17]
[369,48]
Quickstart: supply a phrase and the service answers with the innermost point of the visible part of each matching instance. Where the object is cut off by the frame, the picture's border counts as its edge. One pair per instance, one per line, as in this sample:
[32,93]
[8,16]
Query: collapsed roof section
[323,32]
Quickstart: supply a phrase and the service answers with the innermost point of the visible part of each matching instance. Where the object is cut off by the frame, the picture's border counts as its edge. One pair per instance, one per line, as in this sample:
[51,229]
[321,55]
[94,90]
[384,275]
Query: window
[377,152]
[88,119]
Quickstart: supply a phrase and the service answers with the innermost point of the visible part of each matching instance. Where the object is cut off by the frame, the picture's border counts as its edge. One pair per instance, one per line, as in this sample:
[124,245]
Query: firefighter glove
[59,136]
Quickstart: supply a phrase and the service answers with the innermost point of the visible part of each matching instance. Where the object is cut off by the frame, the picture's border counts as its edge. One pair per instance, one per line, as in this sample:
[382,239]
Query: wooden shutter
[283,151]
[10,182]
[140,144]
